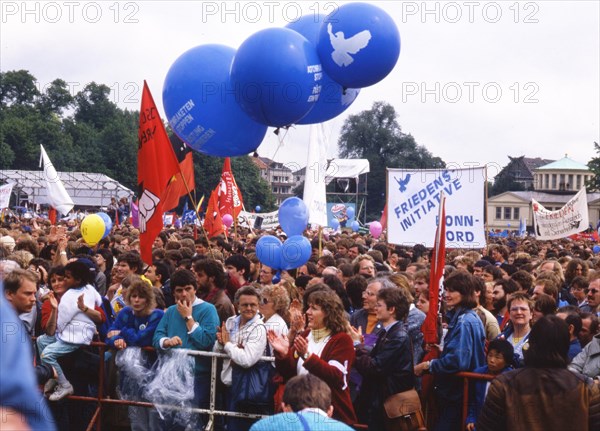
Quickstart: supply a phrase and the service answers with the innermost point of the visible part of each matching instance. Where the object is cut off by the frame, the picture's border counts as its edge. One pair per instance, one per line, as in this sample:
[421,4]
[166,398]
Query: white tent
[346,168]
[86,189]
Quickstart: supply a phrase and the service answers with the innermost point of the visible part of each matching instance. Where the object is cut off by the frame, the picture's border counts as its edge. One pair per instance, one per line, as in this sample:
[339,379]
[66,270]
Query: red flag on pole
[184,180]
[157,165]
[230,197]
[430,326]
[383,220]
[213,224]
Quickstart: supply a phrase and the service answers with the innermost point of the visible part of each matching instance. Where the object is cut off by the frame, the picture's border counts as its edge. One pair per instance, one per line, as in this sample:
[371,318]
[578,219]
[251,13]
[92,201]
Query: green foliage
[376,135]
[594,165]
[96,136]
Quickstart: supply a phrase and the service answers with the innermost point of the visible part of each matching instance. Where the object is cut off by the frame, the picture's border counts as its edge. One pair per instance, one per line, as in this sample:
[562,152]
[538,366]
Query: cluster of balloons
[94,227]
[220,101]
[296,250]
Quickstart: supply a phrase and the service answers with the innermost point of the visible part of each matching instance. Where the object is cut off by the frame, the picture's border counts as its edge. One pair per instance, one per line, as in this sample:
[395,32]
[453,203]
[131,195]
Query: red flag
[230,197]
[431,326]
[213,224]
[183,180]
[383,220]
[52,215]
[157,164]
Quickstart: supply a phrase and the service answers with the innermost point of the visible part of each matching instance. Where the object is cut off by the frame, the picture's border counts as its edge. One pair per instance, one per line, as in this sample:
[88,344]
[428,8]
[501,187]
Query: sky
[476,81]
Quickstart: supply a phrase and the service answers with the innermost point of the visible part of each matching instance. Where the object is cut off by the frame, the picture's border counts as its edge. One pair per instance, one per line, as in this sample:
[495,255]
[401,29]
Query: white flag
[5,192]
[314,180]
[57,195]
[570,219]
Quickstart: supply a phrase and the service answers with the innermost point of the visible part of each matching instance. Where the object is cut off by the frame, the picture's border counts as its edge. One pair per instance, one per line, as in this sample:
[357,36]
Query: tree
[594,166]
[17,88]
[376,135]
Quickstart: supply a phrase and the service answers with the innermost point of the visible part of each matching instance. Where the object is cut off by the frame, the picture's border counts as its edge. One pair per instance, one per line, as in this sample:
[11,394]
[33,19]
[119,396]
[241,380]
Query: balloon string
[281,139]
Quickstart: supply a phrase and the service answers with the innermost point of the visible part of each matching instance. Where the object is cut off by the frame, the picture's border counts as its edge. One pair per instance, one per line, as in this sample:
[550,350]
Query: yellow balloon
[92,229]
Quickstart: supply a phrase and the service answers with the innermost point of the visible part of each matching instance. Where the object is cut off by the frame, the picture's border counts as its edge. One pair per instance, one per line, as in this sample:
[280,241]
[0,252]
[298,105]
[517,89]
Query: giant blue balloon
[295,252]
[276,73]
[350,212]
[333,100]
[201,105]
[107,223]
[268,251]
[359,45]
[293,216]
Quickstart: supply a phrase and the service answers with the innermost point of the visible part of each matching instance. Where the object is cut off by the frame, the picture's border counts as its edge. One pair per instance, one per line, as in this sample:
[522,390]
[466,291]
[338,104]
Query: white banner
[570,219]
[5,192]
[413,200]
[269,220]
[314,180]
[57,194]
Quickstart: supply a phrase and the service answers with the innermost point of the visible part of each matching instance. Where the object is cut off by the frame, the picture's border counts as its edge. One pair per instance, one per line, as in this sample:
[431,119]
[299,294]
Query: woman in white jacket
[244,339]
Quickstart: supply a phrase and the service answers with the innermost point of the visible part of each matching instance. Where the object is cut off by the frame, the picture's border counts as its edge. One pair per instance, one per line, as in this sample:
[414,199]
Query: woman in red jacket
[324,350]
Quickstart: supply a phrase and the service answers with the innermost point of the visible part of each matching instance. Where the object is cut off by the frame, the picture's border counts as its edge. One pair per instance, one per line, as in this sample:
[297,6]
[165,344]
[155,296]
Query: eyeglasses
[515,309]
[264,301]
[594,291]
[248,305]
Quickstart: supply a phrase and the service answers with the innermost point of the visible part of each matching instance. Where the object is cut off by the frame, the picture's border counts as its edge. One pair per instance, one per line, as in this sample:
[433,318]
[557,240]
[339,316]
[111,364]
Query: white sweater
[73,325]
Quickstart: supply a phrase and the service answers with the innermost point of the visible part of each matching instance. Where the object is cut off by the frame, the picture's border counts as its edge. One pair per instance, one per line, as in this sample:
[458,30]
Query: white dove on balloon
[342,47]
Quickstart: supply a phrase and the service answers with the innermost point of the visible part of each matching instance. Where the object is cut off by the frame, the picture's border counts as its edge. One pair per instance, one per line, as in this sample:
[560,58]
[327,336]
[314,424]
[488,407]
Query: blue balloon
[596,249]
[257,209]
[295,252]
[355,226]
[333,100]
[201,105]
[334,223]
[268,251]
[276,73]
[293,216]
[359,45]
[350,212]
[107,223]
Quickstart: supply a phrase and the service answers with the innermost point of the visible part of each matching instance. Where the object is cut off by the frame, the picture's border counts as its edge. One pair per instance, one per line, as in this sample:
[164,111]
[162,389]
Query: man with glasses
[265,276]
[593,293]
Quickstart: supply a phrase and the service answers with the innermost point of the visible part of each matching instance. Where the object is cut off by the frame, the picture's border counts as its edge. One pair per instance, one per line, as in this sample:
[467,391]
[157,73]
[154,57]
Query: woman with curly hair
[324,350]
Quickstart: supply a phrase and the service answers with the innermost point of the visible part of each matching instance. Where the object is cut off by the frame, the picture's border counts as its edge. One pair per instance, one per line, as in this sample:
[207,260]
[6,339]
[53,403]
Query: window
[507,212]
[498,213]
[516,213]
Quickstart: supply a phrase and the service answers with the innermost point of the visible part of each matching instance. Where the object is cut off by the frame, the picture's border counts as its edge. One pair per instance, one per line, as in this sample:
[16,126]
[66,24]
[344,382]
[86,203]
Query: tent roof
[346,168]
[85,188]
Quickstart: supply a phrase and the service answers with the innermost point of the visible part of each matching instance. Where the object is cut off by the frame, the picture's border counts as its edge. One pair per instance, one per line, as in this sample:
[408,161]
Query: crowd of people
[522,311]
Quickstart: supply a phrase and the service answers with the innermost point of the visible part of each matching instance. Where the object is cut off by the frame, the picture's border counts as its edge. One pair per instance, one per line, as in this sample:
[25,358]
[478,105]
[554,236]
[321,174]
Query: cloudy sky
[475,82]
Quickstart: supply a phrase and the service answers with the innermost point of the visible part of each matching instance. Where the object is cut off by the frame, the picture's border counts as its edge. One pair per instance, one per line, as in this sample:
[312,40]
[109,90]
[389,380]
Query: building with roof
[279,176]
[520,171]
[564,175]
[553,185]
[88,190]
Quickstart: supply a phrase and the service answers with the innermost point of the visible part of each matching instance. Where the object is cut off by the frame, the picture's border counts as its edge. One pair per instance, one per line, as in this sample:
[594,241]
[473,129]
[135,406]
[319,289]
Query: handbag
[403,412]
[253,385]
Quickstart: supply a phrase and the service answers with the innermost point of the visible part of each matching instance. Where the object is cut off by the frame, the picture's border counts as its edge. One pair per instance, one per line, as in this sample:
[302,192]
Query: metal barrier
[211,411]
[465,375]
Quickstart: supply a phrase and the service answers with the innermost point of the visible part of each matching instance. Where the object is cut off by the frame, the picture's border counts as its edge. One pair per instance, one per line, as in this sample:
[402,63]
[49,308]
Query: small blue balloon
[355,226]
[257,209]
[359,45]
[293,216]
[276,278]
[596,249]
[107,223]
[350,212]
[201,105]
[276,73]
[334,223]
[333,99]
[295,252]
[268,251]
